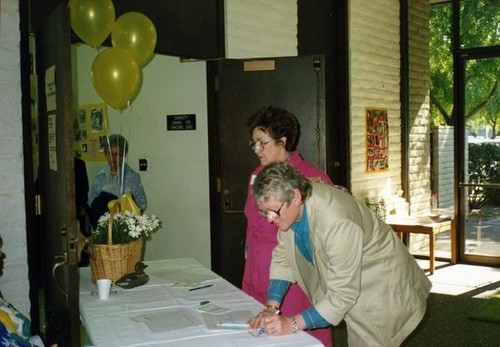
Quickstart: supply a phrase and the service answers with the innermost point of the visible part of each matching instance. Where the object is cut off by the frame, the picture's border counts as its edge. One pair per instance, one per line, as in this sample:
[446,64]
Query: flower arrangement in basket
[117,242]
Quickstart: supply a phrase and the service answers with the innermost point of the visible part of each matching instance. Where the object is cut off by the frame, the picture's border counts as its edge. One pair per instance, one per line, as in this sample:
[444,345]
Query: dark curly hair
[278,123]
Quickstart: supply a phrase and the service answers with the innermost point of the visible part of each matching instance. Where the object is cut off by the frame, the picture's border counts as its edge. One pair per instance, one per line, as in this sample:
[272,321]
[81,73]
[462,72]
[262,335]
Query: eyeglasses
[270,213]
[112,154]
[258,145]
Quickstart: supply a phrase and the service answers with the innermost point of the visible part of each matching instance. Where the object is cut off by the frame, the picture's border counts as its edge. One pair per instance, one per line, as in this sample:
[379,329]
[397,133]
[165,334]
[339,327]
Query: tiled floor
[460,278]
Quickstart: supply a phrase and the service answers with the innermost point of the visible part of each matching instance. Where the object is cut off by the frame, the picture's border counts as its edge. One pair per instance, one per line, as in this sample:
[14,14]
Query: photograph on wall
[90,126]
[377,139]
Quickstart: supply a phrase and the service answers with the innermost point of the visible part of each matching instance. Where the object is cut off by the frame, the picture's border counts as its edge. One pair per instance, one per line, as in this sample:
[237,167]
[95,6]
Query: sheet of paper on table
[168,320]
[178,275]
[213,309]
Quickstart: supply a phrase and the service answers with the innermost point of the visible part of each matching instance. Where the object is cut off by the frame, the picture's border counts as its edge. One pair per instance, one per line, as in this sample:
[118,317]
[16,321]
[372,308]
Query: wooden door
[241,88]
[60,280]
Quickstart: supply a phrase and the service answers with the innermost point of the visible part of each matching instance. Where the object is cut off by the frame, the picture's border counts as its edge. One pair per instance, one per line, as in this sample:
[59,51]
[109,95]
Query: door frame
[64,311]
[32,236]
[314,20]
[461,213]
[460,56]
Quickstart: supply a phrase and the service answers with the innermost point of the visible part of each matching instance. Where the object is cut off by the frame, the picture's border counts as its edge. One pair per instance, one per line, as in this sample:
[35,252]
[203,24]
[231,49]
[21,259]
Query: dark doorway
[239,88]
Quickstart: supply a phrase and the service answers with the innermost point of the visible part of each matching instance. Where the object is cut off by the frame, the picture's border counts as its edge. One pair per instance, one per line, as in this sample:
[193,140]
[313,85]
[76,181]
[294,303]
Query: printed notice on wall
[50,88]
[377,140]
[52,141]
[181,122]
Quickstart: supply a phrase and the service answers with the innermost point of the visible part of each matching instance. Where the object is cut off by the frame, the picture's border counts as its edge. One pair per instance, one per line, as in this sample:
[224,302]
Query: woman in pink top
[275,135]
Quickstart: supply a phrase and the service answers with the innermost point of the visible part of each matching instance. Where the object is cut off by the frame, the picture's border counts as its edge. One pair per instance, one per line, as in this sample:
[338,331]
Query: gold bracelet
[271,307]
[295,328]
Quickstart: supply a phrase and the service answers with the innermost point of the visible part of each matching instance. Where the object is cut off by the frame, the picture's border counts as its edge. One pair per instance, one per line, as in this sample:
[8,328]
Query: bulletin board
[377,140]
[91,125]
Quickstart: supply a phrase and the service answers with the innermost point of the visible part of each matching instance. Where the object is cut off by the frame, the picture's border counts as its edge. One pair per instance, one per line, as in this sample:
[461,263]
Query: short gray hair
[115,140]
[278,180]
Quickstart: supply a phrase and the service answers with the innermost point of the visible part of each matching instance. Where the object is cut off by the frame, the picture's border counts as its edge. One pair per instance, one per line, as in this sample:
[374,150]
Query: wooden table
[415,225]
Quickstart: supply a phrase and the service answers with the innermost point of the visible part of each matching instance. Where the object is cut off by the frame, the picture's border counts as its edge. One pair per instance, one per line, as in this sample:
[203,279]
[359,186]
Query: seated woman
[15,327]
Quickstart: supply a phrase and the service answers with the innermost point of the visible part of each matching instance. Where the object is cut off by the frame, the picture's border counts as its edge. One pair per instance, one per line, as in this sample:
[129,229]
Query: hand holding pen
[268,321]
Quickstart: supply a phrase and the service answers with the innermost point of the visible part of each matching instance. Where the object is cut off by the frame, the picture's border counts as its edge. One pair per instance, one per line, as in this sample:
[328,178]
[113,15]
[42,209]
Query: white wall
[176,183]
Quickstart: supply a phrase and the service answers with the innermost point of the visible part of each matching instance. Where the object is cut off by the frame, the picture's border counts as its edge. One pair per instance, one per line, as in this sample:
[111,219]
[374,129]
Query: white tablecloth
[162,313]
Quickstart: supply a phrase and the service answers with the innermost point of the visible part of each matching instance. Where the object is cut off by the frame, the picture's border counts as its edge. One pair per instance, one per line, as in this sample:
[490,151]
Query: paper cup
[103,288]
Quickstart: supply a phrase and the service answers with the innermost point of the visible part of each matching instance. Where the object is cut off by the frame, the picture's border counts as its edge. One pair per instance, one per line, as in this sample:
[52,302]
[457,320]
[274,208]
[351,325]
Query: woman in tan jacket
[347,260]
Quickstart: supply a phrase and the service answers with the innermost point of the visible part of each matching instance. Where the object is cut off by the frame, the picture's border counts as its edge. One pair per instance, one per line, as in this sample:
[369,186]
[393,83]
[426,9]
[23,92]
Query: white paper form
[130,300]
[185,270]
[172,276]
[50,88]
[52,137]
[168,320]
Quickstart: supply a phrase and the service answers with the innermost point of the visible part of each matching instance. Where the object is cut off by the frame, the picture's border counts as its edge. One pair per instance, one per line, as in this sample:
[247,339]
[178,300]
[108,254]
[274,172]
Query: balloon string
[130,119]
[124,157]
[129,137]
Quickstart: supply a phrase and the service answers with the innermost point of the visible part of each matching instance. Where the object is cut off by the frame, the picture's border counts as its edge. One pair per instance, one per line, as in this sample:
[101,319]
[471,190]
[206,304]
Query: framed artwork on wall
[377,139]
[90,126]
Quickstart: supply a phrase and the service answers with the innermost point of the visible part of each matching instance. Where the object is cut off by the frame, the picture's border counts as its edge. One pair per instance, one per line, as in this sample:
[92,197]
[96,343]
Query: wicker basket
[114,261]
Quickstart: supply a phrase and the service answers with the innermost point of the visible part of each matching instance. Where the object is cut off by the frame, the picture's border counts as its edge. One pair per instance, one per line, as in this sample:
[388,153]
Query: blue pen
[196,288]
[262,330]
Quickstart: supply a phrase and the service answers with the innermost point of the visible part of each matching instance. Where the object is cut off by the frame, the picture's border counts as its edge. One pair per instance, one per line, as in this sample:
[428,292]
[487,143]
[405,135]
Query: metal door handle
[61,260]
[81,241]
[227,202]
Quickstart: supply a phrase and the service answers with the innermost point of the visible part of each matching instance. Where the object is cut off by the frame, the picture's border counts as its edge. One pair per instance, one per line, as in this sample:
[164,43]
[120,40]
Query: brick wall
[261,28]
[418,124]
[443,163]
[14,281]
[375,82]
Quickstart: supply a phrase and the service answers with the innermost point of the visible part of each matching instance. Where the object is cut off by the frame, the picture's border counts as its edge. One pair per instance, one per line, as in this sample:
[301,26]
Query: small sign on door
[181,122]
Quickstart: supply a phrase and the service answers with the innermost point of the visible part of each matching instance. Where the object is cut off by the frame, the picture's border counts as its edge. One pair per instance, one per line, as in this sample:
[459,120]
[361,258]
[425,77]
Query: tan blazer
[362,272]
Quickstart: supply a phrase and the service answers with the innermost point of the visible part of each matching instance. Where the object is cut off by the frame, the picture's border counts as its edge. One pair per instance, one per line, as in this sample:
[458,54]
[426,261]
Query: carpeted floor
[446,322]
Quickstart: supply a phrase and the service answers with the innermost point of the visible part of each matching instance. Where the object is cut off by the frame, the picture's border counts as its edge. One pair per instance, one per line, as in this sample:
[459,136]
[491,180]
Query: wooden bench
[409,225]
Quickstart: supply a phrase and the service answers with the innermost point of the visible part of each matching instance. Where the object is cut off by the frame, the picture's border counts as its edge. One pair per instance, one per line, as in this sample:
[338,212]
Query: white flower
[127,226]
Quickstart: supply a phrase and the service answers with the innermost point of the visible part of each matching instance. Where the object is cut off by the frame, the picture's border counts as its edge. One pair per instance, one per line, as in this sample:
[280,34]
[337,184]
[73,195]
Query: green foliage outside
[484,167]
[480,27]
